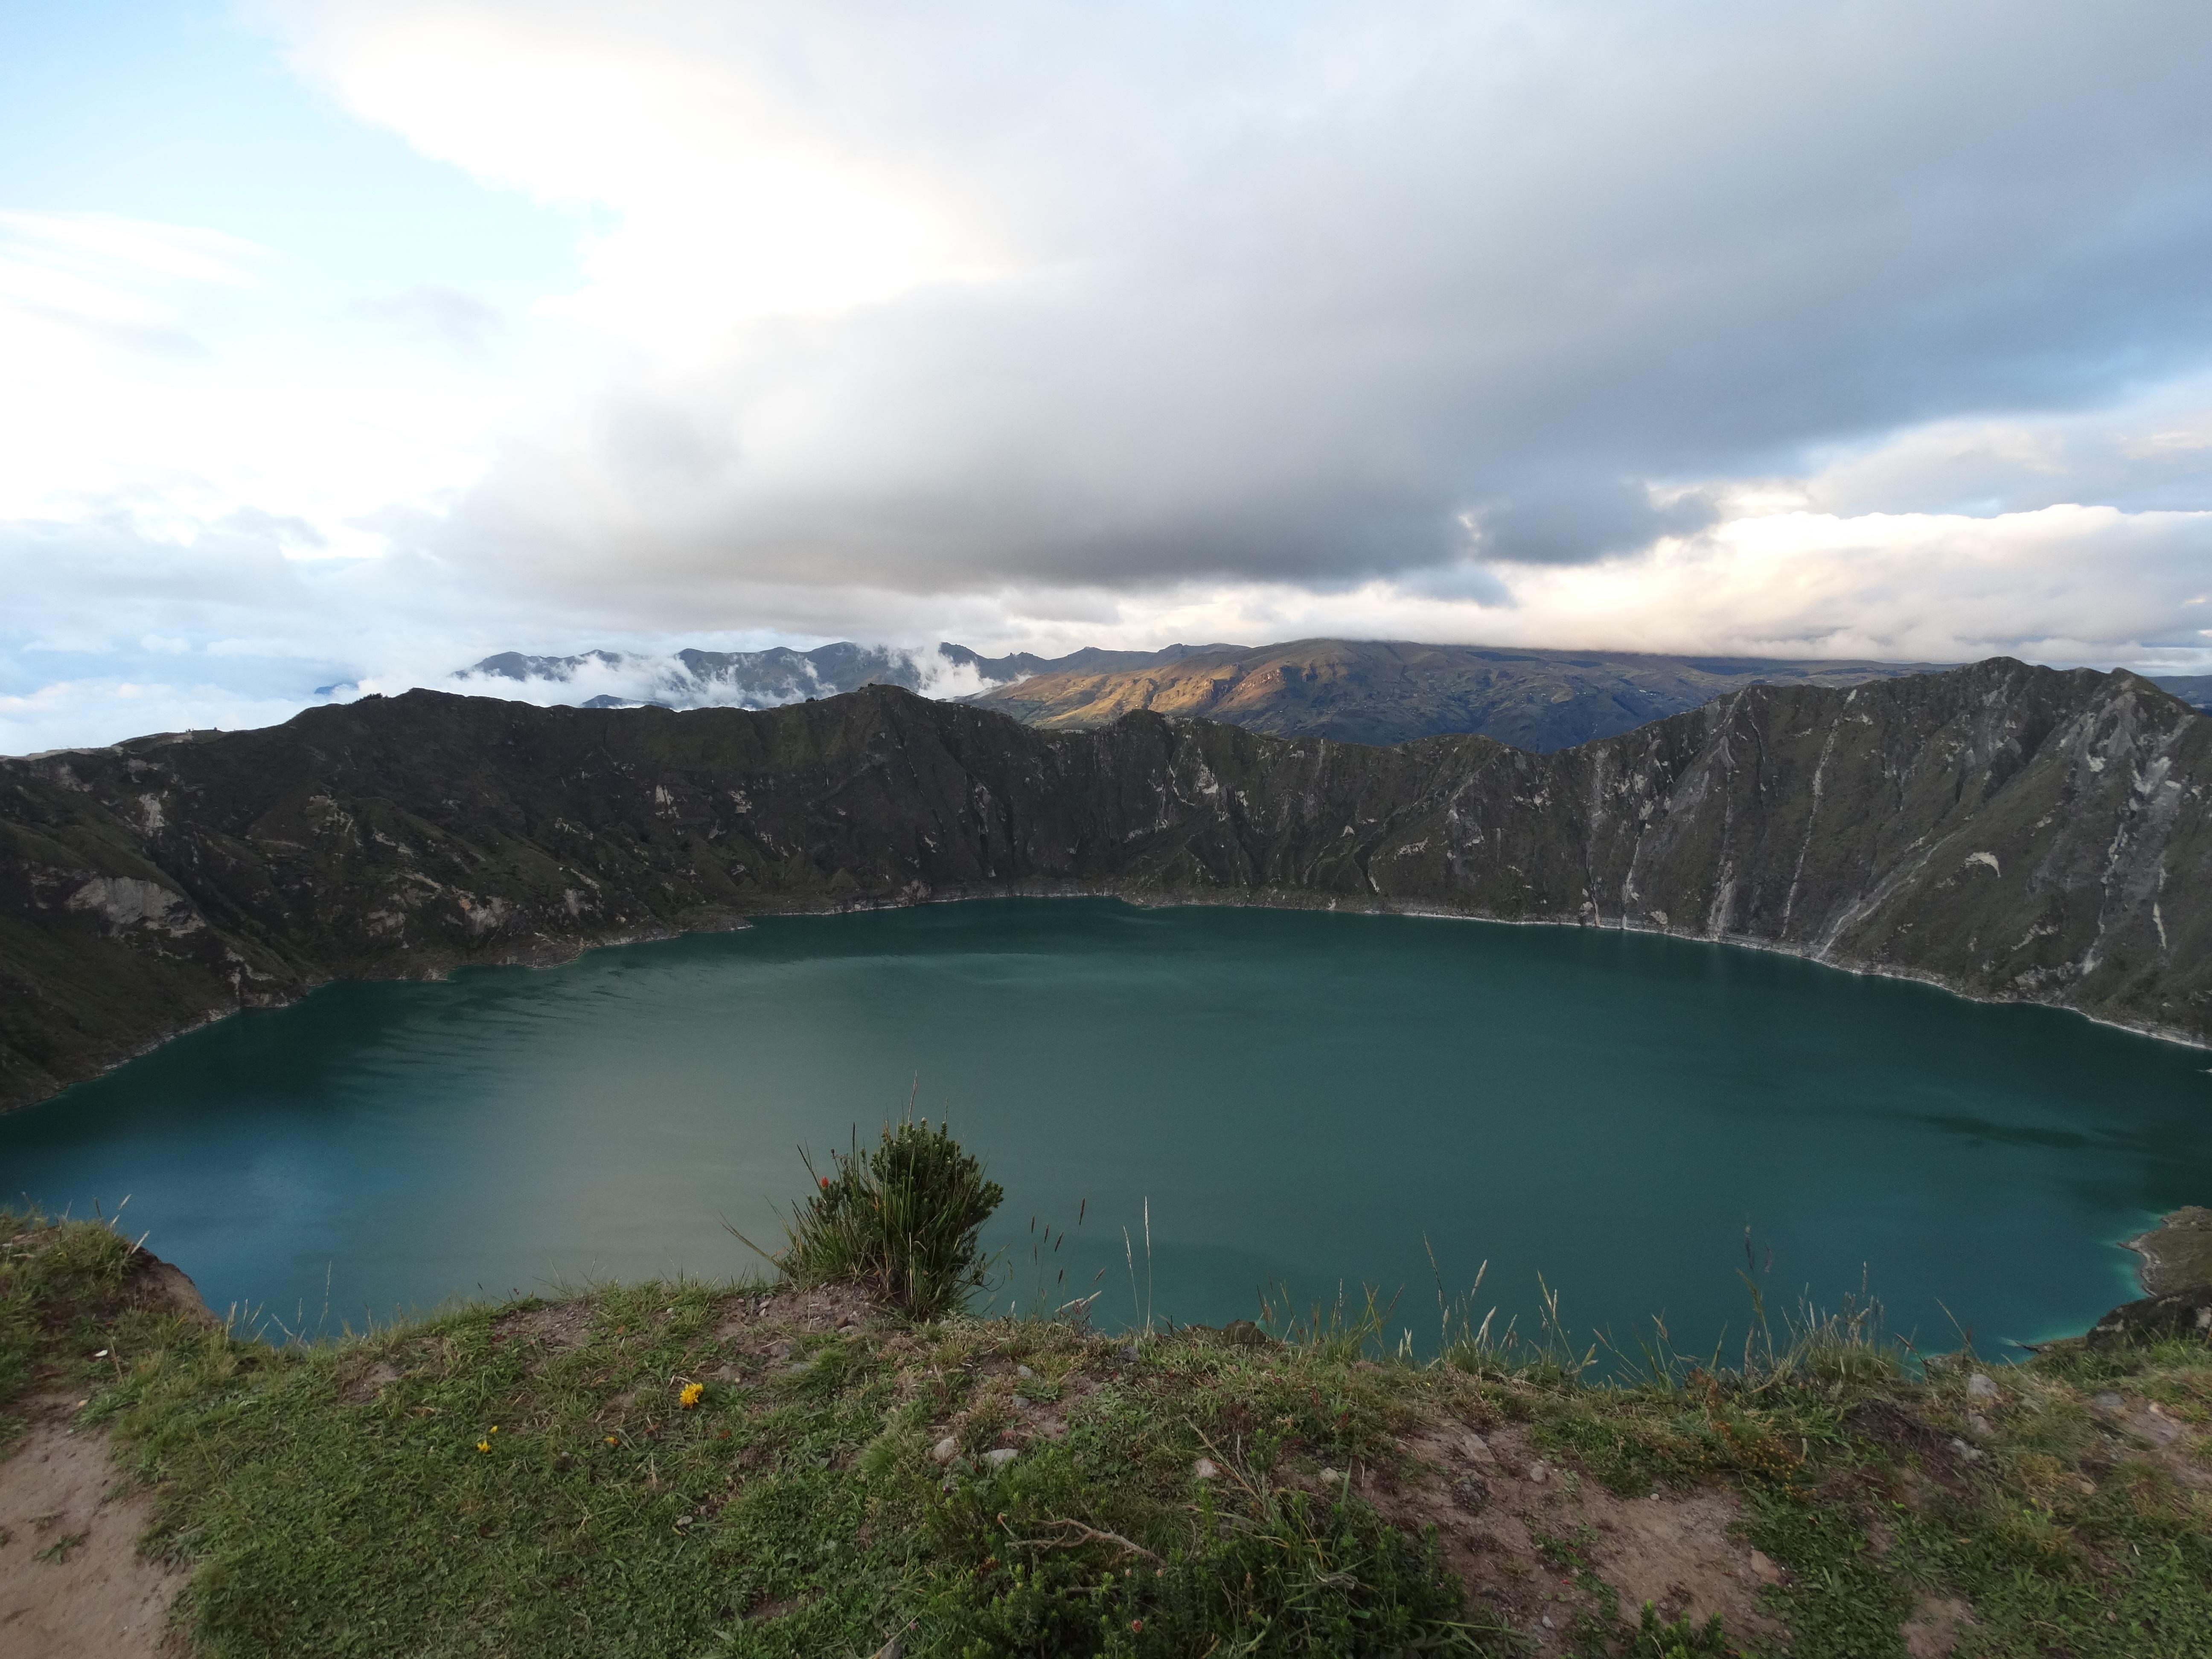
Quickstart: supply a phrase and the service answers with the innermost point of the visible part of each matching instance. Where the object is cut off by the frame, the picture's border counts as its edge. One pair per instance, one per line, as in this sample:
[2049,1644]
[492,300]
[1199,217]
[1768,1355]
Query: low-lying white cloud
[642,677]
[93,713]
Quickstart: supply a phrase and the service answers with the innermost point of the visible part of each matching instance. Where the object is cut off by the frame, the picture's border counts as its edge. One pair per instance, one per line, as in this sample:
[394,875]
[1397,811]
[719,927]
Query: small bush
[900,1217]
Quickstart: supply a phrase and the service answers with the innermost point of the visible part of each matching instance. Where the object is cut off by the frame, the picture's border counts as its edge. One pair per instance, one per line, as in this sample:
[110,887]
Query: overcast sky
[351,340]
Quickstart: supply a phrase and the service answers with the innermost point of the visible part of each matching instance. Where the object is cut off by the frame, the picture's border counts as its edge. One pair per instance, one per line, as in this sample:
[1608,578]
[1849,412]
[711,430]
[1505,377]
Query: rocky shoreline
[2176,1254]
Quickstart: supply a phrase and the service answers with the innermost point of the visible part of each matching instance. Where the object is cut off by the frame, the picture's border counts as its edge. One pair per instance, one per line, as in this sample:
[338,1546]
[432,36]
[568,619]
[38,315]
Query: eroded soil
[73,1583]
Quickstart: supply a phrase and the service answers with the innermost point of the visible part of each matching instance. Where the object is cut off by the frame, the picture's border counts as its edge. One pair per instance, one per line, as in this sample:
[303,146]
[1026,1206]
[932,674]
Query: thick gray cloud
[1334,292]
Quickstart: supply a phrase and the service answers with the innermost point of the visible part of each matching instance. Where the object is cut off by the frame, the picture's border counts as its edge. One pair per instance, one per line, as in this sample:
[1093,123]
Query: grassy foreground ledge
[530,1479]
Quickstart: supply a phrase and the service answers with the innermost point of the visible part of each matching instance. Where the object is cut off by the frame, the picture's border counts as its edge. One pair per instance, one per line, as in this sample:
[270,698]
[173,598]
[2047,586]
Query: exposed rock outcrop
[2011,831]
[2176,1254]
[2156,1319]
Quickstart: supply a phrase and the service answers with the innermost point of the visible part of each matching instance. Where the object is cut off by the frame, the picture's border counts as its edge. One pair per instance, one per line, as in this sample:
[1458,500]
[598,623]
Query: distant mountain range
[1354,690]
[2014,832]
[1390,691]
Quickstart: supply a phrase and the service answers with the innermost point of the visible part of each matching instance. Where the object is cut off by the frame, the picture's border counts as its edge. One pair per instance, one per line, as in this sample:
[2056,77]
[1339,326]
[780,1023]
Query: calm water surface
[1301,1098]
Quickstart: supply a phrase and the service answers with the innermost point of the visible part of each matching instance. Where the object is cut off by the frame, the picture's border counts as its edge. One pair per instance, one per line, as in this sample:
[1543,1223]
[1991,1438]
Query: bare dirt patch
[1507,1517]
[2150,1433]
[372,1380]
[72,1582]
[1935,1627]
[1039,1419]
[154,1283]
[752,1321]
[557,1327]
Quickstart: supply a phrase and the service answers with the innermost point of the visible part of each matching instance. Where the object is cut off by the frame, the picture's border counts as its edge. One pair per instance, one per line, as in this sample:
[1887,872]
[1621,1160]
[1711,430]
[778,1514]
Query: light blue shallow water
[1301,1098]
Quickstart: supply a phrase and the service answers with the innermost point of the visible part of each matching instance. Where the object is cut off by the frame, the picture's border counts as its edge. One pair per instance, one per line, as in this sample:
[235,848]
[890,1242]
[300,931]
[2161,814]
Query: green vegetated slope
[1391,691]
[742,1469]
[2008,831]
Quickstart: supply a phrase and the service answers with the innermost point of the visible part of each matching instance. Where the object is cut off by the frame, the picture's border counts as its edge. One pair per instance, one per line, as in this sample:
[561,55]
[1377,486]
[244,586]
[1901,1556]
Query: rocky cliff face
[2011,831]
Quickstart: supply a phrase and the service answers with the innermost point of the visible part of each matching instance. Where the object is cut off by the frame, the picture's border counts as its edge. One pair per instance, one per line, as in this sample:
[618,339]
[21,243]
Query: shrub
[900,1217]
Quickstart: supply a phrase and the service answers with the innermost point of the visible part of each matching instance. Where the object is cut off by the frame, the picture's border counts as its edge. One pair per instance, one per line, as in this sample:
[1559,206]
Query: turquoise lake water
[1301,1099]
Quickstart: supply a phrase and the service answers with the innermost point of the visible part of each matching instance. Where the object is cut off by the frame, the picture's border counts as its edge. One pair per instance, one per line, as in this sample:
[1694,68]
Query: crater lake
[1290,1101]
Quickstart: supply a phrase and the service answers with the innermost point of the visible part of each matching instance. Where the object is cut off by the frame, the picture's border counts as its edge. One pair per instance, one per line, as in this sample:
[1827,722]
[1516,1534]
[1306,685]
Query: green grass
[459,1486]
[527,1481]
[58,1286]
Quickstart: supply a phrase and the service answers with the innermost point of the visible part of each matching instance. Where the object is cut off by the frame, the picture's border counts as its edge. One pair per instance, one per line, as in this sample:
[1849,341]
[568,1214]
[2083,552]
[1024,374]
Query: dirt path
[72,1582]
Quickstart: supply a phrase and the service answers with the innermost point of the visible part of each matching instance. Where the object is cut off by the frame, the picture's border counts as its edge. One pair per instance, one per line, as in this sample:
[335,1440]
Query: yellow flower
[483,1445]
[689,1396]
[612,1441]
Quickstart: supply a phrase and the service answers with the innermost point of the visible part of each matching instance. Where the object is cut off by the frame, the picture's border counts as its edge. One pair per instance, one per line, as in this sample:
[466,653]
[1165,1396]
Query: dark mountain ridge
[2010,831]
[1354,690]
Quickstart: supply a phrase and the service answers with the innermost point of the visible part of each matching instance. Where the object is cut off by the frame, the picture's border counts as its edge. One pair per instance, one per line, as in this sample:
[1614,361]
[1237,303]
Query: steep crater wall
[2006,831]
